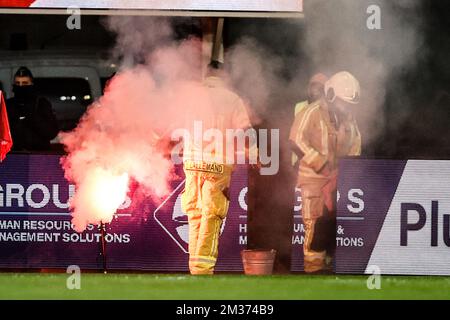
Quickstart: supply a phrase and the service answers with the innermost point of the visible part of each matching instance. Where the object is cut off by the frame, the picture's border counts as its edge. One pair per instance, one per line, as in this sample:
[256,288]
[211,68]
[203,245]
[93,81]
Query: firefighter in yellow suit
[324,131]
[205,198]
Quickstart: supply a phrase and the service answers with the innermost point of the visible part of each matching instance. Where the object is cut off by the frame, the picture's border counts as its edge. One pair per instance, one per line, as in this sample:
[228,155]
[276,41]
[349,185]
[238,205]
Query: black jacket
[33,123]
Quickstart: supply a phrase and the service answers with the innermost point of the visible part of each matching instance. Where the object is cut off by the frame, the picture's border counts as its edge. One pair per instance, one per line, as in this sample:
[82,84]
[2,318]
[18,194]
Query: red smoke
[119,138]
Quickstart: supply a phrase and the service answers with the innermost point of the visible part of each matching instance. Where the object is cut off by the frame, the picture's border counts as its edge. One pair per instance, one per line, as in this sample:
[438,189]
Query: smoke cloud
[137,37]
[117,140]
[334,36]
[338,38]
[125,136]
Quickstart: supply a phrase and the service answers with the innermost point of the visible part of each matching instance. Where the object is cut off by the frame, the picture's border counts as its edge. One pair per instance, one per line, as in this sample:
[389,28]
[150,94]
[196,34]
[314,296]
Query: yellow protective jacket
[221,110]
[300,106]
[323,142]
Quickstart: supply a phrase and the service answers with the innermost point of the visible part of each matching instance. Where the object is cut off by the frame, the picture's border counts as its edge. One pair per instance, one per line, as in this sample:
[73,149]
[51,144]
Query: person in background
[315,92]
[326,132]
[31,118]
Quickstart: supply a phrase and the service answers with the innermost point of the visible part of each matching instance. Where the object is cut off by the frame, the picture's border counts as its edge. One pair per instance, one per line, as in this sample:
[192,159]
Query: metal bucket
[258,262]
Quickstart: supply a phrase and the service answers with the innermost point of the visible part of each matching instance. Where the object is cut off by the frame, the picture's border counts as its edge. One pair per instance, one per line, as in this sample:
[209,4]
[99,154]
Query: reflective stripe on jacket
[323,139]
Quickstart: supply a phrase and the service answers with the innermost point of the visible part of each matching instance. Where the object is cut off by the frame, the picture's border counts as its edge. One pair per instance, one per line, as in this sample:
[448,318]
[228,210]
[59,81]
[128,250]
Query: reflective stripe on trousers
[313,260]
[317,221]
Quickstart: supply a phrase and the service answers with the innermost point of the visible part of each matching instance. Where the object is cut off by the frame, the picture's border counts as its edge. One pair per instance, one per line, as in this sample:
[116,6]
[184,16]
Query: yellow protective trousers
[320,228]
[205,200]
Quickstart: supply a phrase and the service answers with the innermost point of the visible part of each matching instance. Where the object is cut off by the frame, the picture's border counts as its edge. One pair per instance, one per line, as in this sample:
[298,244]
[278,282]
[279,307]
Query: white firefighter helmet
[343,85]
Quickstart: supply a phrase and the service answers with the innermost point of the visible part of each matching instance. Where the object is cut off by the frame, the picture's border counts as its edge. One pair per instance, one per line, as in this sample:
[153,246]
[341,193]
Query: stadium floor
[239,287]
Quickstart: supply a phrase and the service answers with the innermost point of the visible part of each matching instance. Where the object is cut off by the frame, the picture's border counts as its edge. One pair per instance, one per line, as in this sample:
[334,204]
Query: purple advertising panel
[394,217]
[149,234]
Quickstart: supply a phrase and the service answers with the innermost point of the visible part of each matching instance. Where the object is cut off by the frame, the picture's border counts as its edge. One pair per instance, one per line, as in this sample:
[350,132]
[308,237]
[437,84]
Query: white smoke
[338,38]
